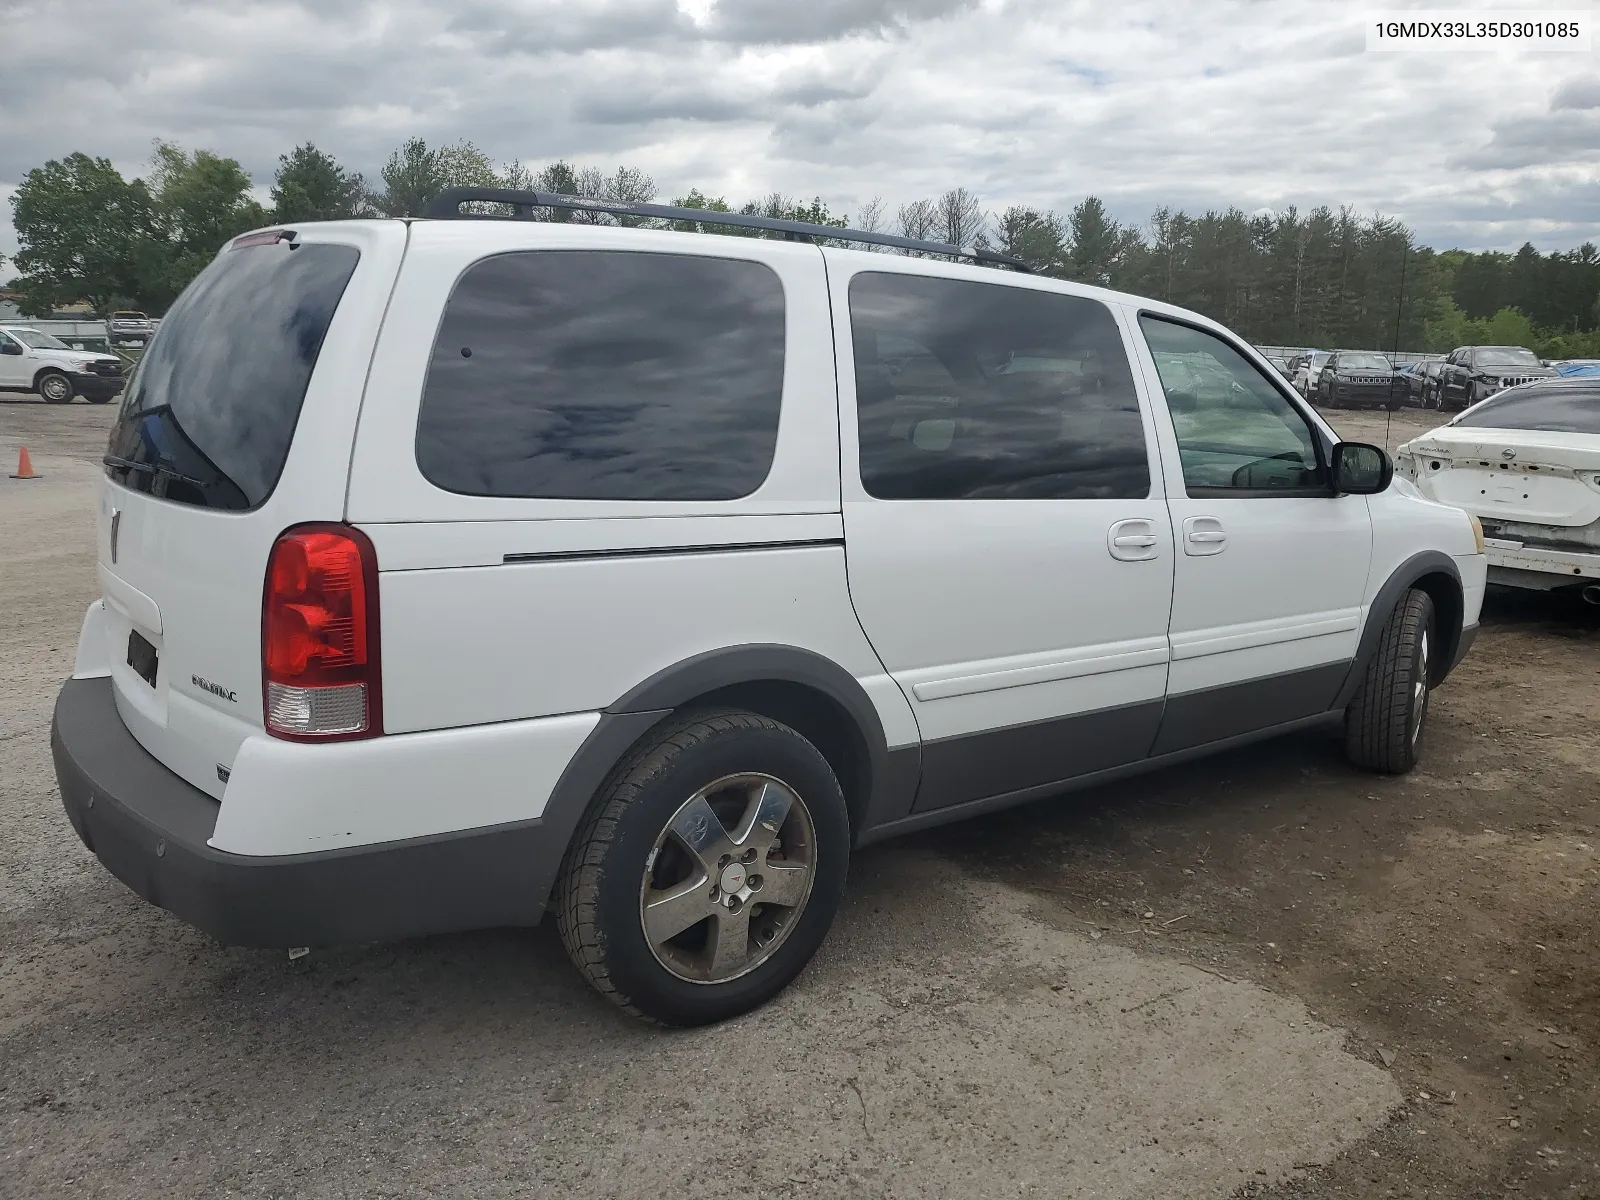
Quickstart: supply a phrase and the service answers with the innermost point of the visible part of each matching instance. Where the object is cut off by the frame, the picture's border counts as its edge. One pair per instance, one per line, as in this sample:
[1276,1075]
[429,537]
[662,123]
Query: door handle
[1203,535]
[1133,540]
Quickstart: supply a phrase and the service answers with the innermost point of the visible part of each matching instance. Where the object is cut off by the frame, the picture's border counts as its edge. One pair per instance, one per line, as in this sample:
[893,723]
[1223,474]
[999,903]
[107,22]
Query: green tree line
[1322,277]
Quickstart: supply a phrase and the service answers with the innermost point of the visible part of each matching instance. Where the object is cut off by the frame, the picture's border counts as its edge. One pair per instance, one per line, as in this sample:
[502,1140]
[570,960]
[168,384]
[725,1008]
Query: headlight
[1477,531]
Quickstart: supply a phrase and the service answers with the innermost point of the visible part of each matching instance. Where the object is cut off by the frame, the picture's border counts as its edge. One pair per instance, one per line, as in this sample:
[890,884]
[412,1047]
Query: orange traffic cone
[25,466]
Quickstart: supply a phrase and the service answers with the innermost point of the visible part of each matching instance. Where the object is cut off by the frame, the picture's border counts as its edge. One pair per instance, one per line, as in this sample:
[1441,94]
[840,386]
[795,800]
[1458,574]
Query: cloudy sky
[1188,103]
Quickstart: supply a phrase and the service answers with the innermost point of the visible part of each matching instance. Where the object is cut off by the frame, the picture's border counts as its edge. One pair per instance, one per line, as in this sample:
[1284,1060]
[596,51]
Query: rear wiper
[127,464]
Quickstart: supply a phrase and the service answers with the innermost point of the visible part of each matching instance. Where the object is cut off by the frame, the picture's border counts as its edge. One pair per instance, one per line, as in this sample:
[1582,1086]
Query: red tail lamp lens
[319,635]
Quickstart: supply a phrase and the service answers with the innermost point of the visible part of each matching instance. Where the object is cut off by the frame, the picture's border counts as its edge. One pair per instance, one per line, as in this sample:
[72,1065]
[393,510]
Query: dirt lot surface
[1264,974]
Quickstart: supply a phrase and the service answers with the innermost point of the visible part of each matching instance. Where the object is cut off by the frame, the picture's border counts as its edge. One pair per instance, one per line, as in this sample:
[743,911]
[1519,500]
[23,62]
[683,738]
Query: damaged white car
[1526,463]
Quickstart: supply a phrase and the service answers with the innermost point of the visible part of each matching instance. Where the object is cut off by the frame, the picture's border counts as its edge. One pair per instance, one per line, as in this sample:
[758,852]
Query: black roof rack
[447,206]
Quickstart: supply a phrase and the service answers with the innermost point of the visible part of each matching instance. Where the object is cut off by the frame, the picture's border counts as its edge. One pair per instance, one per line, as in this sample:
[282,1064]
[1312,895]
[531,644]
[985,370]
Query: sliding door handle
[1204,535]
[1133,540]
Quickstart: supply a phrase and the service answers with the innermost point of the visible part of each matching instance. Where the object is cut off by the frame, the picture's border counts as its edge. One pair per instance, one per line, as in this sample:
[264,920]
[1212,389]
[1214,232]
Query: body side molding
[958,812]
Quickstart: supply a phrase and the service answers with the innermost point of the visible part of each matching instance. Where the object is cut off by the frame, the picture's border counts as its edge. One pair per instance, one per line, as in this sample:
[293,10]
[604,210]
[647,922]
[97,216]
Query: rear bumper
[1512,563]
[151,830]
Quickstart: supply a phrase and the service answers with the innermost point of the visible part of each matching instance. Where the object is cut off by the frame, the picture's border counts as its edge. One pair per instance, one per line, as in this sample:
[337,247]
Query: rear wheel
[55,387]
[708,871]
[1384,722]
[98,399]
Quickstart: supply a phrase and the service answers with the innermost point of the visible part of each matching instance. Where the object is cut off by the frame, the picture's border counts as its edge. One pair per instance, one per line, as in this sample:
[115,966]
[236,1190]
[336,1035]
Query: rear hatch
[1518,476]
[236,425]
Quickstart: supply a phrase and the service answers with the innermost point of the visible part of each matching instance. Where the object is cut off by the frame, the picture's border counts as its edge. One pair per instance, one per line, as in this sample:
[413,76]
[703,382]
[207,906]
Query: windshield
[1363,362]
[211,410]
[1504,356]
[1565,409]
[37,340]
[129,316]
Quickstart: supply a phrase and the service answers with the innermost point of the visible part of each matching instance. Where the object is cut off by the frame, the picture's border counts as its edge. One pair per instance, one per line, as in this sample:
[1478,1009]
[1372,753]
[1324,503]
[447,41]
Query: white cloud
[1194,105]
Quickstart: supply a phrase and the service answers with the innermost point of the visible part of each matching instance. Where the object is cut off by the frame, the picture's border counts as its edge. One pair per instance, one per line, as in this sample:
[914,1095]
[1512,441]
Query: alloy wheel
[1419,689]
[728,878]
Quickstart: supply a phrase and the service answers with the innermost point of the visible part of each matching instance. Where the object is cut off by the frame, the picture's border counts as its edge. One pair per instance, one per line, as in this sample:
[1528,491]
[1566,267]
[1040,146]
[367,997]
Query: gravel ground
[1344,986]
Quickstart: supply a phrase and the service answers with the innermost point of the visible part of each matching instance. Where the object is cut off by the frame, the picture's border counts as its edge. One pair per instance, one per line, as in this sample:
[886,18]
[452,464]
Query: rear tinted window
[211,409]
[970,390]
[1554,410]
[605,375]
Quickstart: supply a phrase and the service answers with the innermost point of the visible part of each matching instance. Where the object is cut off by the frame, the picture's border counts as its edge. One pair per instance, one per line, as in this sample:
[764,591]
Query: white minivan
[455,570]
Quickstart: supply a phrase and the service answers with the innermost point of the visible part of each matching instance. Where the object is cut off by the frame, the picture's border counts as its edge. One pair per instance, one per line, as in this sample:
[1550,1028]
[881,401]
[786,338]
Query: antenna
[1399,309]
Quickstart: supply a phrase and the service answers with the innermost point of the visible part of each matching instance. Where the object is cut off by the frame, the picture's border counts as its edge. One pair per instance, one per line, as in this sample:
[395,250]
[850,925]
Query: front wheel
[1384,722]
[708,870]
[55,387]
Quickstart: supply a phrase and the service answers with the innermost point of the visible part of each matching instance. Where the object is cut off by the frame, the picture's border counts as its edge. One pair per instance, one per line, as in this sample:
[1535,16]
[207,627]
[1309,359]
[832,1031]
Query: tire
[629,859]
[98,399]
[55,387]
[1384,723]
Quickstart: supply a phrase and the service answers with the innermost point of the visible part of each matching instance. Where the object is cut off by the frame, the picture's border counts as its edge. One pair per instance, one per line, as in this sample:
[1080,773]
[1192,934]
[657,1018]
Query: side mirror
[1360,469]
[10,347]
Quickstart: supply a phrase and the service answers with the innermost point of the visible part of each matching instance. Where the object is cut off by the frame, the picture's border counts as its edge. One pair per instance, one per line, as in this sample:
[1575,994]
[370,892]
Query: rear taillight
[319,636]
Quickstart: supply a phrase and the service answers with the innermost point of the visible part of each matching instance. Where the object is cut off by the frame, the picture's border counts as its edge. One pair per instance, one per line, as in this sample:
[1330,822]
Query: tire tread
[1377,722]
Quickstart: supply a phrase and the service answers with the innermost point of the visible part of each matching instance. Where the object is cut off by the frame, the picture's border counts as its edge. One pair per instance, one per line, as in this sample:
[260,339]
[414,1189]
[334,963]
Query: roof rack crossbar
[447,206]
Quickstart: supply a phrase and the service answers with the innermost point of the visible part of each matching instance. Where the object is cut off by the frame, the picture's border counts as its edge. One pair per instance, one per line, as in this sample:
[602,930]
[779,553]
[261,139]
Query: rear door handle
[1133,540]
[1203,535]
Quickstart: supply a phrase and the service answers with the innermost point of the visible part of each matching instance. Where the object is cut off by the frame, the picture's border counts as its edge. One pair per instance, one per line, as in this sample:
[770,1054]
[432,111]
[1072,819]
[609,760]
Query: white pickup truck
[31,361]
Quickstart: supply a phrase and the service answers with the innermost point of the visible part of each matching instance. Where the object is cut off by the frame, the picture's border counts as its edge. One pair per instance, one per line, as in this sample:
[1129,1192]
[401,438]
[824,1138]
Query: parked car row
[1368,378]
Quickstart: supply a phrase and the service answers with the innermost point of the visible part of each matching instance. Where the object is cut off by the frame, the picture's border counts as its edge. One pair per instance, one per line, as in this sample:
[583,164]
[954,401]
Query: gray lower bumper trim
[149,828]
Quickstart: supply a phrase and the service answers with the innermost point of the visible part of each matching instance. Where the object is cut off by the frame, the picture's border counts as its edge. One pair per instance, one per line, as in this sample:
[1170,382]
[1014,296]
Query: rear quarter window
[605,375]
[210,412]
